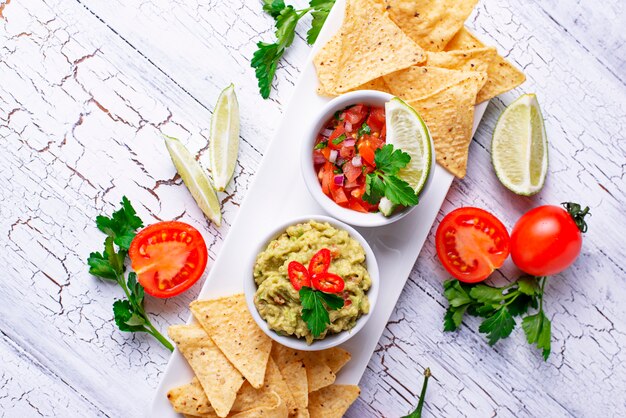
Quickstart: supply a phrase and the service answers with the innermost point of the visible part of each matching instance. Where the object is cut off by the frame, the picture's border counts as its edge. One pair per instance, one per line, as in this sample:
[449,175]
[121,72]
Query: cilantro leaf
[100,266]
[321,9]
[399,191]
[273,7]
[487,294]
[455,293]
[364,130]
[538,331]
[521,304]
[126,318]
[498,326]
[314,313]
[374,189]
[453,317]
[528,285]
[121,225]
[390,161]
[264,62]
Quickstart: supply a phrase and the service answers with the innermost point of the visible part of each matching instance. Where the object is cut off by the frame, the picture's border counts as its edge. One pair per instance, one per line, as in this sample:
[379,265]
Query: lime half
[407,131]
[224,144]
[195,179]
[519,149]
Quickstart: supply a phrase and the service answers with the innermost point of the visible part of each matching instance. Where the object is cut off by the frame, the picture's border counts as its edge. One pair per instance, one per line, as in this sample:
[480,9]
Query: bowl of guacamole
[344,283]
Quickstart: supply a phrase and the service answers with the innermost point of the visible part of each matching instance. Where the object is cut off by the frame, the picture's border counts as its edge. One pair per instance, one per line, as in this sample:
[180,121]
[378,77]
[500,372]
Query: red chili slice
[328,282]
[320,262]
[298,275]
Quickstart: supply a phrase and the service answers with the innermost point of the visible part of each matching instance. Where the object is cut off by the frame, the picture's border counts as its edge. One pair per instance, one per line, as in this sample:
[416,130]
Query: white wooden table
[86,88]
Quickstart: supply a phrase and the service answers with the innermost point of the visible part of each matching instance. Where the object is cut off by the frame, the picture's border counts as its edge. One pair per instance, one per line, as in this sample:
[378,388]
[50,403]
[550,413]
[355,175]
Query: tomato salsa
[344,154]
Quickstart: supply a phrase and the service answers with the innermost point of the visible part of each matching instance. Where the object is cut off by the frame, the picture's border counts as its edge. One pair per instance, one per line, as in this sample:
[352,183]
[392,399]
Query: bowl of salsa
[338,154]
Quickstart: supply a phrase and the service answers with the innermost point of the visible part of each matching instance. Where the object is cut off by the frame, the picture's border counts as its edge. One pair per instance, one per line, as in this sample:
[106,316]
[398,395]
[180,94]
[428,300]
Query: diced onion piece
[348,126]
[356,161]
[339,179]
[326,133]
[333,156]
[349,143]
[340,161]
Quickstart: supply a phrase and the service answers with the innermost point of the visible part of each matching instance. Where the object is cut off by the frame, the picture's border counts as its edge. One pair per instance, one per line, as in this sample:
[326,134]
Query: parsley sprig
[315,306]
[384,180]
[265,59]
[420,404]
[120,228]
[499,306]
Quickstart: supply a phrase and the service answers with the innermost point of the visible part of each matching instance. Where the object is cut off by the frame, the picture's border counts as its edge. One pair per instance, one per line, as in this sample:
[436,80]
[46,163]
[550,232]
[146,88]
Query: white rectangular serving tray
[278,193]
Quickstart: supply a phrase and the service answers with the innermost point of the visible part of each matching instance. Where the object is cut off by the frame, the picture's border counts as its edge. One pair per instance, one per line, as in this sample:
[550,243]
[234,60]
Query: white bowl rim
[310,177]
[329,341]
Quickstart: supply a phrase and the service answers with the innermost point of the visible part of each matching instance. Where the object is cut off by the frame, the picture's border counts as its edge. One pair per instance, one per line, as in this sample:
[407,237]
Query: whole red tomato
[547,240]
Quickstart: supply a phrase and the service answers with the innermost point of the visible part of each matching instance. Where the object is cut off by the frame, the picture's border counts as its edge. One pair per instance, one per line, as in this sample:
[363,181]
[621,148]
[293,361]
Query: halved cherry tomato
[471,244]
[320,262]
[168,257]
[298,275]
[328,282]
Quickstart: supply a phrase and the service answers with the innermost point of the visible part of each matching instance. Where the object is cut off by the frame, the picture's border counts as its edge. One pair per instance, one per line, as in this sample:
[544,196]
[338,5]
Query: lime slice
[519,149]
[224,144]
[407,131]
[195,179]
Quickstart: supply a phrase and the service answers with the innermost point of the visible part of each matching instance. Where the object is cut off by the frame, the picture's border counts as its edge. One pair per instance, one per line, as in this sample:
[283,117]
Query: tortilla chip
[190,399]
[219,379]
[274,381]
[335,357]
[476,59]
[232,328]
[293,372]
[502,75]
[377,84]
[430,23]
[332,401]
[277,409]
[416,82]
[449,115]
[368,46]
[318,373]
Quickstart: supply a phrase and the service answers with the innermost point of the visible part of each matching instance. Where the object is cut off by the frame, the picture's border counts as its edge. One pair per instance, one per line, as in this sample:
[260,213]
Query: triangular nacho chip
[368,45]
[430,23]
[449,115]
[219,379]
[335,358]
[332,401]
[318,373]
[277,409]
[416,82]
[230,325]
[292,369]
[476,59]
[502,76]
[190,399]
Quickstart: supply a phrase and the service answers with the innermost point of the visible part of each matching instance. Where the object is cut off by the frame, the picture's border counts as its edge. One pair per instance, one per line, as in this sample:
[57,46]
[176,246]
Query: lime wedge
[407,131]
[224,144]
[195,179]
[519,149]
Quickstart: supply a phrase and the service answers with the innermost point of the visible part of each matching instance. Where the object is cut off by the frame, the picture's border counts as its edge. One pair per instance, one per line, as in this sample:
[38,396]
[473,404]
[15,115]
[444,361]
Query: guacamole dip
[276,299]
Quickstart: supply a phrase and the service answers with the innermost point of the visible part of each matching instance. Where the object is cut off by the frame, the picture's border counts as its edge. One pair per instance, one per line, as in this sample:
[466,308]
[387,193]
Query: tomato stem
[578,214]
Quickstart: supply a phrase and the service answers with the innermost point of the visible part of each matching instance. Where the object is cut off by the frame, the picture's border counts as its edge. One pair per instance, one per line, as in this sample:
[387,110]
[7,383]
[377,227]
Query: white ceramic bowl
[369,97]
[330,340]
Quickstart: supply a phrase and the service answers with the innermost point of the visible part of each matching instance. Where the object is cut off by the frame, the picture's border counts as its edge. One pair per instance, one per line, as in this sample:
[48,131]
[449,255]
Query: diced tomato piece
[351,172]
[355,204]
[347,152]
[327,178]
[339,196]
[383,133]
[367,152]
[376,119]
[358,193]
[356,114]
[326,153]
[351,185]
[336,134]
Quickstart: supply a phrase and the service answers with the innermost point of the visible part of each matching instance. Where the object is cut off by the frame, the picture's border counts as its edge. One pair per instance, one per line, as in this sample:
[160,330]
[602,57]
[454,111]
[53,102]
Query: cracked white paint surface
[86,88]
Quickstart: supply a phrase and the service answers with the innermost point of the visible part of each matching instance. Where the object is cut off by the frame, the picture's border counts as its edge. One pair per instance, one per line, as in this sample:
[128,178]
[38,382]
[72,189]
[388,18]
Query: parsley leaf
[384,182]
[498,326]
[538,331]
[273,7]
[314,312]
[321,9]
[120,228]
[453,318]
[265,58]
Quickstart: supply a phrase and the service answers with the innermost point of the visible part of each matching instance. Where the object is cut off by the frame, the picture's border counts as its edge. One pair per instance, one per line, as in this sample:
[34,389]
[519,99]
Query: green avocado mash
[278,302]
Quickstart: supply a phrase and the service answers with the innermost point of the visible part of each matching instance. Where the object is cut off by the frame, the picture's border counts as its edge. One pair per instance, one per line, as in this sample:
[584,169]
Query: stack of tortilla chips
[420,51]
[242,373]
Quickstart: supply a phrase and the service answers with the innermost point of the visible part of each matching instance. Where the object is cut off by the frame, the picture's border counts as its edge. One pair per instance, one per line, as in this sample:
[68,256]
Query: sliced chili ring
[298,275]
[320,262]
[328,282]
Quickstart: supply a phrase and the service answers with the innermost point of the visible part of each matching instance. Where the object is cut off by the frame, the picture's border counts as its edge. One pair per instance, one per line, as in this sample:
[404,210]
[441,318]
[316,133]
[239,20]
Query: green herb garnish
[499,306]
[384,180]
[265,59]
[364,130]
[339,139]
[315,306]
[420,404]
[321,145]
[120,228]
